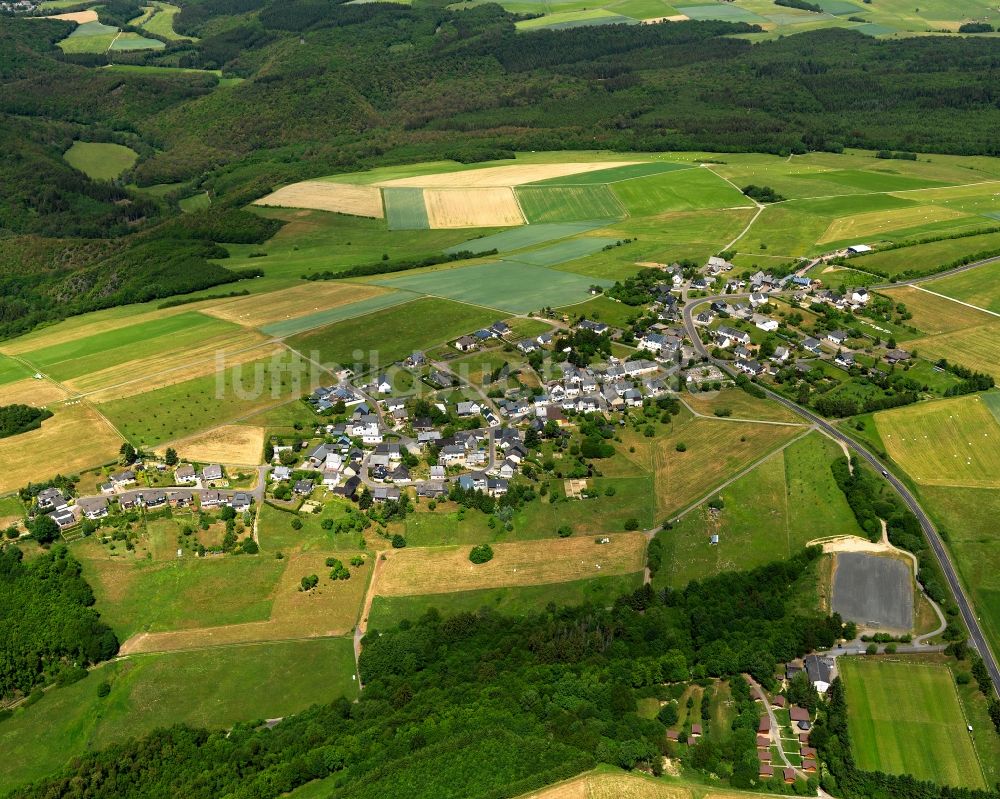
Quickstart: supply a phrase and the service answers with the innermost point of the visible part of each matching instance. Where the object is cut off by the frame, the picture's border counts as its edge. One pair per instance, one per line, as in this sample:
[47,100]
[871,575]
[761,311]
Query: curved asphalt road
[976,637]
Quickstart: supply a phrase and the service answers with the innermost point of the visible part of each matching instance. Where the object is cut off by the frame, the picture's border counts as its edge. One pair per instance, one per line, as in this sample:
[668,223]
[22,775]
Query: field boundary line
[685,510]
[960,302]
[756,216]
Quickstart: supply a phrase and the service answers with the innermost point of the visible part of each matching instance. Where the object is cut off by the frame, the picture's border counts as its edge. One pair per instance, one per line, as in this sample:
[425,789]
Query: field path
[362,626]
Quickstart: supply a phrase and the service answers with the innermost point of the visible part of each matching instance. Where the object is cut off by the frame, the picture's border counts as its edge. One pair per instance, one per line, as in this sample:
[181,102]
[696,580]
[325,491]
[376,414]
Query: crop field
[682,190]
[874,591]
[562,252]
[293,303]
[508,286]
[424,571]
[79,17]
[126,40]
[405,209]
[203,689]
[926,257]
[905,718]
[552,204]
[979,286]
[714,450]
[769,514]
[339,198]
[511,175]
[337,313]
[476,207]
[618,173]
[232,444]
[948,443]
[75,438]
[177,410]
[526,236]
[100,161]
[89,354]
[417,325]
[388,611]
[90,37]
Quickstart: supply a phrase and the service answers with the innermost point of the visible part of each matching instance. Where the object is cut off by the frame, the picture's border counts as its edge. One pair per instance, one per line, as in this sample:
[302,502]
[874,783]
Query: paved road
[936,275]
[976,637]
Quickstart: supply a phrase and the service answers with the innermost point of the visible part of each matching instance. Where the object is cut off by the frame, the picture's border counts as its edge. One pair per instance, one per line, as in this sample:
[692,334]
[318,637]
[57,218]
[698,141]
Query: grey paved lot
[873,591]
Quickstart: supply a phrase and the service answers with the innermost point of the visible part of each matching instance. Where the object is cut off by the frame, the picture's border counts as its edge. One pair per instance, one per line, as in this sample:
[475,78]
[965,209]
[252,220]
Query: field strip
[624,180]
[684,511]
[501,176]
[960,302]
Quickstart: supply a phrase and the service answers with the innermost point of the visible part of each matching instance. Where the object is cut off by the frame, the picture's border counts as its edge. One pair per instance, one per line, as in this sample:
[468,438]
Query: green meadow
[555,204]
[213,688]
[99,160]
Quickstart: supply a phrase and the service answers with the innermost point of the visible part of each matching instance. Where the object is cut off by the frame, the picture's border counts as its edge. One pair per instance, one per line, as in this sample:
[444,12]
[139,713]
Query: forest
[533,700]
[15,419]
[393,84]
[48,629]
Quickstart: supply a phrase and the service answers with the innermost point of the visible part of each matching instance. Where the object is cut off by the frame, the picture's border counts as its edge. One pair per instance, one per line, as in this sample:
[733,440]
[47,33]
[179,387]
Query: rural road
[976,637]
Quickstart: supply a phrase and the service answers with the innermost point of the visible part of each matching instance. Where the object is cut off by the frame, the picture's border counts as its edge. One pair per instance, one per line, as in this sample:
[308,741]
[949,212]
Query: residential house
[704,318]
[93,507]
[211,472]
[240,501]
[844,359]
[383,385]
[464,409]
[303,487]
[860,296]
[349,489]
[185,474]
[63,518]
[752,368]
[507,469]
[836,337]
[500,329]
[527,346]
[765,771]
[51,499]
[896,356]
[799,717]
[416,358]
[597,327]
[734,336]
[180,499]
[385,493]
[432,489]
[544,339]
[765,323]
[281,473]
[820,671]
[780,354]
[464,344]
[758,298]
[811,344]
[124,478]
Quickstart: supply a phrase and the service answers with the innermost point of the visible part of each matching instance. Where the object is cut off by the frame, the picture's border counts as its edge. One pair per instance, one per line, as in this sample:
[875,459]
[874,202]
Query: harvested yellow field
[477,207]
[31,392]
[291,303]
[513,175]
[670,18]
[331,609]
[79,17]
[435,569]
[340,198]
[75,438]
[977,348]
[873,223]
[235,444]
[147,374]
[629,786]
[935,314]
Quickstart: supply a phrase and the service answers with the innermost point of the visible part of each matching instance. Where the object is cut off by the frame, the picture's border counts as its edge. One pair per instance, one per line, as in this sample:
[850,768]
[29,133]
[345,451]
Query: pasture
[388,611]
[223,397]
[876,224]
[417,325]
[508,286]
[90,37]
[927,257]
[979,286]
[768,514]
[202,688]
[423,571]
[473,207]
[555,204]
[100,160]
[905,718]
[953,442]
[338,198]
[12,370]
[75,438]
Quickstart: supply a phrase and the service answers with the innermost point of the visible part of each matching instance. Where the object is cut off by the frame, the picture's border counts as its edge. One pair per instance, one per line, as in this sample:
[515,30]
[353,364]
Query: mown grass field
[682,190]
[905,718]
[768,514]
[423,571]
[391,334]
[947,443]
[980,286]
[212,688]
[100,160]
[388,611]
[568,203]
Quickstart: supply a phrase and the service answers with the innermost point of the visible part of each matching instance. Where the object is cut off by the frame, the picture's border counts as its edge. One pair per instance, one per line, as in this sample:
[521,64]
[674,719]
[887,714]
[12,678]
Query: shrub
[296,524]
[681,446]
[105,688]
[481,553]
[398,542]
[632,524]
